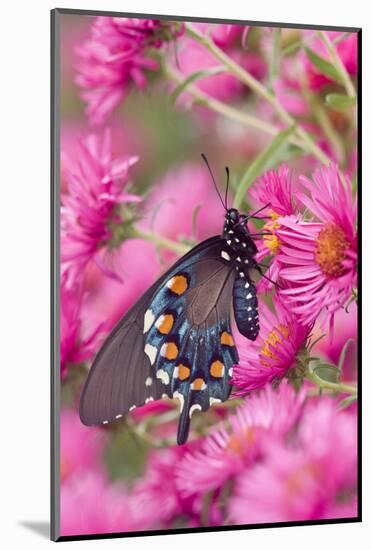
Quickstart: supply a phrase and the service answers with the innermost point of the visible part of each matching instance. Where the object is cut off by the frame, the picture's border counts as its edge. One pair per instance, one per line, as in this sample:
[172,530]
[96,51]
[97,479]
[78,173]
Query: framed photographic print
[205,308]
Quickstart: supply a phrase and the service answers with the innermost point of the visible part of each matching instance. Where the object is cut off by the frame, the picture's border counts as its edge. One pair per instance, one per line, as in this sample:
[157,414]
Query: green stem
[180,248]
[224,109]
[332,386]
[348,84]
[324,121]
[259,89]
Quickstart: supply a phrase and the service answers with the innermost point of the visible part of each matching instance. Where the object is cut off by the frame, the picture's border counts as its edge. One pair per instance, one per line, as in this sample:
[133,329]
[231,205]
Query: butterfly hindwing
[188,334]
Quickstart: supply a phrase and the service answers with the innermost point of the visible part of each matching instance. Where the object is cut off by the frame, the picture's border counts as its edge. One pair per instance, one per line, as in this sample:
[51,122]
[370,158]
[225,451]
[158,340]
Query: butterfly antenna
[260,210]
[212,177]
[226,189]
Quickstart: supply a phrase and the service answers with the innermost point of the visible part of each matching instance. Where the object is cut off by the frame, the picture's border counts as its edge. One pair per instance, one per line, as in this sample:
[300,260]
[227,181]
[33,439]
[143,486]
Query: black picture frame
[55,274]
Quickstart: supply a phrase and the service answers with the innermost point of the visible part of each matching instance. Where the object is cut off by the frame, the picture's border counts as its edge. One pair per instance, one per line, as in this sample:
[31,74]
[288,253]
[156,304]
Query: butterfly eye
[233,215]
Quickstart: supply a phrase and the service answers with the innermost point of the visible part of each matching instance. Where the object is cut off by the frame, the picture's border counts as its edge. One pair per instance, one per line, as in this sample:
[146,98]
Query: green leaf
[198,75]
[347,401]
[262,162]
[124,444]
[344,352]
[327,372]
[340,102]
[324,66]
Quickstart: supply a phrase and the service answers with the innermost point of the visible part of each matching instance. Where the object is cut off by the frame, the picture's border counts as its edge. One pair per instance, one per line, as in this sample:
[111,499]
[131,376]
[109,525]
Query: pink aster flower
[115,57]
[75,345]
[96,186]
[281,338]
[91,505]
[278,189]
[319,260]
[156,500]
[235,445]
[81,447]
[303,479]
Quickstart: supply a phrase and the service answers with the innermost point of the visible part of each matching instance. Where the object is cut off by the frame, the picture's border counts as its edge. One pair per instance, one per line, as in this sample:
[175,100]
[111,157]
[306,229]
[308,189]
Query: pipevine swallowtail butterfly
[176,341]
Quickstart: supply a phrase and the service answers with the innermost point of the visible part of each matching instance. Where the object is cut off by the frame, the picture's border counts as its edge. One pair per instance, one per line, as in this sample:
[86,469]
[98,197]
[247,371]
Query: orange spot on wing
[183,372]
[217,369]
[165,323]
[198,384]
[171,351]
[178,284]
[226,339]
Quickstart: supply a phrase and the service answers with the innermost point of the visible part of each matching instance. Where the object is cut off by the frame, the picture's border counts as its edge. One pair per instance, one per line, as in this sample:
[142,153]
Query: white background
[24,272]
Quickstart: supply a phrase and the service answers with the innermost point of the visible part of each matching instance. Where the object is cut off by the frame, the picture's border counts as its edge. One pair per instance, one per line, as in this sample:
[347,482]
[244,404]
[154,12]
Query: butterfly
[176,341]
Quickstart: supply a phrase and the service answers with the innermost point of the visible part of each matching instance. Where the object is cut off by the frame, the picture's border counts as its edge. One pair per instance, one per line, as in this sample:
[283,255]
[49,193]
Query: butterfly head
[234,221]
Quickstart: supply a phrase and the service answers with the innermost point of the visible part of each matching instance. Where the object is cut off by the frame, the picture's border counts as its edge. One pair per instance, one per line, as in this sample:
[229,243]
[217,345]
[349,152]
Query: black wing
[176,340]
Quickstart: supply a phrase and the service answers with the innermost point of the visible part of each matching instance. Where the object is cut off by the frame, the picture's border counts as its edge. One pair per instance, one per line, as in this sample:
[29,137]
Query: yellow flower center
[297,481]
[271,241]
[239,443]
[330,250]
[273,338]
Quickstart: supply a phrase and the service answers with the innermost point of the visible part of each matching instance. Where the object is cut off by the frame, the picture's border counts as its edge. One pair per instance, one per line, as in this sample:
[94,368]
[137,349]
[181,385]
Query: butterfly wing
[125,372]
[188,336]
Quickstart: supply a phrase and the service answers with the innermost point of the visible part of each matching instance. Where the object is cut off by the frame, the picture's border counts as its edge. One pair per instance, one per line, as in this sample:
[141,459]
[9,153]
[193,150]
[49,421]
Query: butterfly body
[177,340]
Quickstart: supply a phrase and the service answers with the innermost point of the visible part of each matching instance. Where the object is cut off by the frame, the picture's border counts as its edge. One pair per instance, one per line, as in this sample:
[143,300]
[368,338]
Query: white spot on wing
[148,320]
[170,282]
[194,408]
[149,399]
[214,400]
[132,407]
[180,396]
[225,255]
[230,372]
[247,285]
[248,296]
[148,381]
[151,353]
[242,274]
[118,416]
[238,259]
[163,350]
[162,375]
[229,242]
[105,422]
